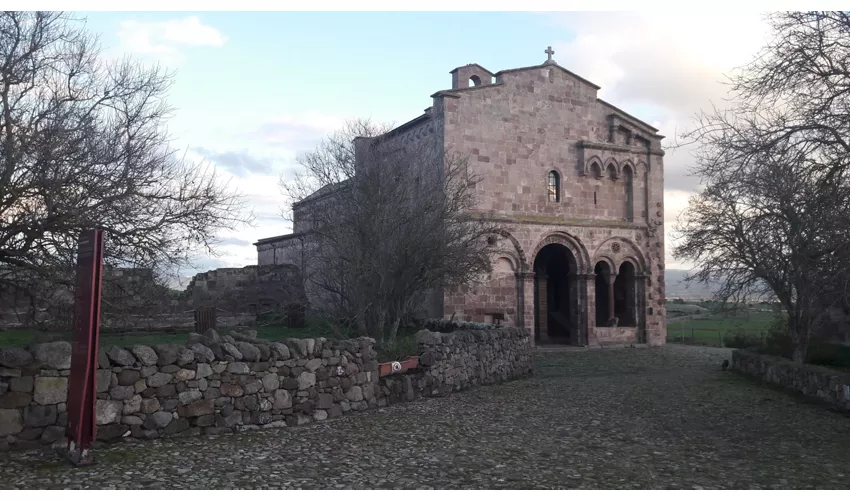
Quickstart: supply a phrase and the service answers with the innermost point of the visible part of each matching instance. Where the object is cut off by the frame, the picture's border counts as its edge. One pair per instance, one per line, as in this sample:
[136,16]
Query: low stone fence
[236,382]
[454,361]
[830,386]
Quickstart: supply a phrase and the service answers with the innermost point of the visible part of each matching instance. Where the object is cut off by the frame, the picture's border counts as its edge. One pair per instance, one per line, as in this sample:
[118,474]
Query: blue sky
[253,90]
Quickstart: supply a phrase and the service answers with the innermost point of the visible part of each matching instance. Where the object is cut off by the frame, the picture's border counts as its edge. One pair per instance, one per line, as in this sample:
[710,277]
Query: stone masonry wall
[236,382]
[830,386]
[451,362]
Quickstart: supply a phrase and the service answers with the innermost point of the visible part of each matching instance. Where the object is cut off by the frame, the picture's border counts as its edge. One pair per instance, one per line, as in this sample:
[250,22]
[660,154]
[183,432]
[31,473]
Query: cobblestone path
[612,418]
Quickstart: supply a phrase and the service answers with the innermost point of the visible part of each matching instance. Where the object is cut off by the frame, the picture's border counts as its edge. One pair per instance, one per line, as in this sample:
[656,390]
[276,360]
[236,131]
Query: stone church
[575,183]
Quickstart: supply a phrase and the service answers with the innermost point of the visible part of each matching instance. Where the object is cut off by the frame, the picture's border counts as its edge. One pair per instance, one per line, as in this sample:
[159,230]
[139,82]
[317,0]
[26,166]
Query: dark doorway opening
[556,296]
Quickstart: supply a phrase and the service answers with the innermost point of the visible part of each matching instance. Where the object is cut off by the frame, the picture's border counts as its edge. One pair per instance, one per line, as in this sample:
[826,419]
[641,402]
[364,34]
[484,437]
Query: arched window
[630,204]
[474,81]
[554,186]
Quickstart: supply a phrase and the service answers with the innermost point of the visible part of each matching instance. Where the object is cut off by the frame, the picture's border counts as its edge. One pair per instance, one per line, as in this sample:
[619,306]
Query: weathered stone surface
[9,372]
[52,434]
[354,394]
[325,401]
[51,390]
[140,386]
[147,371]
[112,432]
[55,355]
[231,350]
[14,357]
[120,356]
[282,399]
[15,400]
[238,367]
[131,420]
[107,411]
[203,354]
[145,355]
[169,369]
[184,374]
[133,405]
[194,339]
[306,380]
[128,377]
[320,415]
[149,405]
[265,352]
[166,354]
[185,356]
[21,384]
[203,370]
[158,420]
[121,392]
[231,390]
[253,387]
[249,352]
[271,382]
[103,379]
[191,396]
[281,349]
[212,335]
[202,407]
[313,364]
[159,379]
[177,425]
[166,391]
[40,416]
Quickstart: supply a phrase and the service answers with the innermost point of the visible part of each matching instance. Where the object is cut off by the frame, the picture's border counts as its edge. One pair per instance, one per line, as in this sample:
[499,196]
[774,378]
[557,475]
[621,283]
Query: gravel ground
[610,419]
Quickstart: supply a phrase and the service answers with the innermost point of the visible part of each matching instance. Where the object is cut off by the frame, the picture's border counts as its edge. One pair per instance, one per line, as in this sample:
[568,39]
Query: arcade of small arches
[572,298]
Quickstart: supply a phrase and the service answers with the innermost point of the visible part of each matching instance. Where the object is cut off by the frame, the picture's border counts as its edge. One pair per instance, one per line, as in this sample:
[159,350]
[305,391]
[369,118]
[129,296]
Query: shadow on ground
[615,418]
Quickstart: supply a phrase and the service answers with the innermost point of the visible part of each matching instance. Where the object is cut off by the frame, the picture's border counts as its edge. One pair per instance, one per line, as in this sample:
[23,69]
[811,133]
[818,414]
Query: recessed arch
[575,246]
[474,81]
[612,169]
[626,250]
[521,262]
[629,196]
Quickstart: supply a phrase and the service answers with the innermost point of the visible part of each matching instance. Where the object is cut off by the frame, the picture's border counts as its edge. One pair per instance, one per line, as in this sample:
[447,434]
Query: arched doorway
[556,296]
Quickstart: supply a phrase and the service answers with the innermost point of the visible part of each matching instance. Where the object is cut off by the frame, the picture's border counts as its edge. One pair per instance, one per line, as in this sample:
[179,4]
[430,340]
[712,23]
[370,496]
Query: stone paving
[614,418]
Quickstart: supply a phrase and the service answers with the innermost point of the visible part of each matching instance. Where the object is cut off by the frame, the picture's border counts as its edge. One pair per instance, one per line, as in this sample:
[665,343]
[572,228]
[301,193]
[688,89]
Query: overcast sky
[253,90]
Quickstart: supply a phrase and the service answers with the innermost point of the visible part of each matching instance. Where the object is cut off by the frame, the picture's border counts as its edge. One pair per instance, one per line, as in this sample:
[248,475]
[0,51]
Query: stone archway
[556,296]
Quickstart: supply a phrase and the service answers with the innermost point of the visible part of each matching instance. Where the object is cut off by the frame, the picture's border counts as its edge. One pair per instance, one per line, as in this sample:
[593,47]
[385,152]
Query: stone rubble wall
[450,362]
[830,386]
[237,382]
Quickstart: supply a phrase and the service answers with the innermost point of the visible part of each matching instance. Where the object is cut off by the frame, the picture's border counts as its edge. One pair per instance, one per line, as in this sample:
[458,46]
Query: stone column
[525,302]
[611,278]
[542,307]
[587,308]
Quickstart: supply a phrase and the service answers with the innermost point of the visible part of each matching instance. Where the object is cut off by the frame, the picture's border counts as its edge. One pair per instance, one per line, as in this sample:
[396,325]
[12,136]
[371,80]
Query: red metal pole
[82,424]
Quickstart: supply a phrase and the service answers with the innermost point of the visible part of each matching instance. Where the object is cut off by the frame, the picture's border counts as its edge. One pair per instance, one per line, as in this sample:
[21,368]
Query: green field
[709,326]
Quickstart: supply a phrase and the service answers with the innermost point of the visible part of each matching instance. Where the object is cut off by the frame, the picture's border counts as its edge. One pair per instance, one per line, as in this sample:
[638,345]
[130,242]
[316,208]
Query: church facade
[576,186]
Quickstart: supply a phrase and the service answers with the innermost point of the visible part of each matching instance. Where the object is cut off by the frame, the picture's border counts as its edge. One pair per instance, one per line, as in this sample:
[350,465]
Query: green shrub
[403,347]
[777,339]
[739,339]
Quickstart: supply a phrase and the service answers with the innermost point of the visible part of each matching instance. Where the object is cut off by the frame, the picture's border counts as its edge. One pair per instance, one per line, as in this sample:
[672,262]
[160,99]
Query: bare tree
[773,217]
[82,145]
[390,221]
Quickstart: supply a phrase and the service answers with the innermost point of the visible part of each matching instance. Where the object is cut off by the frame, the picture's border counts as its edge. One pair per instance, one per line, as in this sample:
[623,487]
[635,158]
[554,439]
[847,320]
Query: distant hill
[676,288]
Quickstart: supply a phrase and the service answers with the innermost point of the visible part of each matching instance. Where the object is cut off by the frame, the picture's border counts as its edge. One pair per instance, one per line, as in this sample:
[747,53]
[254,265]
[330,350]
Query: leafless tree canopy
[387,226]
[773,217]
[83,144]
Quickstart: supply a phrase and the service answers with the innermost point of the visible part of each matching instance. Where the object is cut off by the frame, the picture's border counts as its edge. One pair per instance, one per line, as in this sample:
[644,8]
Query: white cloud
[670,66]
[165,39]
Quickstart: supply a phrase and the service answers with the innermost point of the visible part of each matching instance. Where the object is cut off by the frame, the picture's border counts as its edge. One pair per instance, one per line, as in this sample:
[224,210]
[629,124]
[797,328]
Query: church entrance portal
[556,296]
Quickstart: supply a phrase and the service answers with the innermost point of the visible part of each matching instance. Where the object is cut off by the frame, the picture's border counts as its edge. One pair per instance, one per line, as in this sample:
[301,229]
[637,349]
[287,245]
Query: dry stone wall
[830,386]
[238,382]
[451,362]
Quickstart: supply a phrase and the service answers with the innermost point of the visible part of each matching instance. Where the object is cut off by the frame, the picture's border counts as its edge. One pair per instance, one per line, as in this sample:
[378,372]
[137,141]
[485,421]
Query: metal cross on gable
[549,53]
